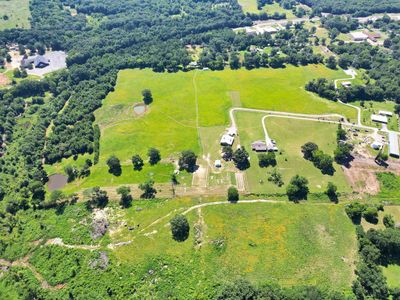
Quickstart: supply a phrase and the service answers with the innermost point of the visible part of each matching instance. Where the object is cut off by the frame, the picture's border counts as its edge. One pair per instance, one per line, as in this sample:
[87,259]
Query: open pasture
[257,241]
[186,103]
[14,14]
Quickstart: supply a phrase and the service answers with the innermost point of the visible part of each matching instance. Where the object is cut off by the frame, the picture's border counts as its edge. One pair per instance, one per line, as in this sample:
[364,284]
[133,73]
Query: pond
[56,182]
[139,109]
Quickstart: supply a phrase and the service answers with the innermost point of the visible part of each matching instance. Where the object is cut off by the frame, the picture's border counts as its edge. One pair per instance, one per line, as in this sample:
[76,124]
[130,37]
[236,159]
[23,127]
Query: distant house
[346,84]
[358,36]
[373,36]
[385,113]
[259,146]
[394,145]
[38,61]
[227,140]
[41,61]
[251,31]
[379,119]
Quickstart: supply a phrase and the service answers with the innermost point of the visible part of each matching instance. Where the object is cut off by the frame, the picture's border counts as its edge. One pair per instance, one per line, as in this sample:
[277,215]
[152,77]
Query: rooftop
[379,118]
[394,144]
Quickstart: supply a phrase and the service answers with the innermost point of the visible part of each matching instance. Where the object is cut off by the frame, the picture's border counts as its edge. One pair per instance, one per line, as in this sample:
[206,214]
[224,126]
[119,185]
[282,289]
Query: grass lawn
[290,135]
[392,274]
[316,245]
[389,188]
[250,6]
[169,123]
[17,12]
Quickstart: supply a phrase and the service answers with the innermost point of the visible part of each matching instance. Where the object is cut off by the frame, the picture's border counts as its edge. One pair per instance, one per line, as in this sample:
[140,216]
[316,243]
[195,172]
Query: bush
[126,197]
[297,188]
[180,228]
[388,221]
[355,211]
[114,165]
[370,214]
[265,160]
[233,194]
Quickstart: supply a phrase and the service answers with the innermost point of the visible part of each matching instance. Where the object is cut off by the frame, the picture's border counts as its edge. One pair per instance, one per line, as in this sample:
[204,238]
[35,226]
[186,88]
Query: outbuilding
[394,144]
[379,118]
[346,84]
[217,163]
[385,113]
[227,140]
[259,146]
[376,145]
[358,36]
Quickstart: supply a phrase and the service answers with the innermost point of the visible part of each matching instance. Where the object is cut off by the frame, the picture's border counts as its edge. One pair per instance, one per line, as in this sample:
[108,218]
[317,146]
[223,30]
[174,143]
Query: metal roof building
[394,144]
[379,118]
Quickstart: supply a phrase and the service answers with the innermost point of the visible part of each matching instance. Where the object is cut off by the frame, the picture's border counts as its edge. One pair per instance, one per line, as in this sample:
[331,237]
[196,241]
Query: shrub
[233,194]
[180,228]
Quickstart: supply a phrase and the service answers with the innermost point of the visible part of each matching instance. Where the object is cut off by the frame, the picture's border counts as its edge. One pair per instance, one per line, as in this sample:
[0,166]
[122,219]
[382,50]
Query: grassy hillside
[14,14]
[315,245]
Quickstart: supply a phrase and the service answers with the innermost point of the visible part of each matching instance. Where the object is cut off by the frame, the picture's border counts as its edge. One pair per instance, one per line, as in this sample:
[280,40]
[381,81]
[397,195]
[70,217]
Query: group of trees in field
[321,160]
[376,248]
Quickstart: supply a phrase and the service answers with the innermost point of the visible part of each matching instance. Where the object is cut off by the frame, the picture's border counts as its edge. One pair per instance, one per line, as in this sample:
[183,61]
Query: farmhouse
[394,145]
[266,29]
[385,113]
[227,140]
[259,146]
[38,61]
[379,119]
[358,36]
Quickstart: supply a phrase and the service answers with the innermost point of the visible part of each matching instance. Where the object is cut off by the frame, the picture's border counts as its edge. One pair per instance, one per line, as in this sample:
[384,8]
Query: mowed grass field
[286,243]
[17,12]
[250,6]
[183,99]
[290,135]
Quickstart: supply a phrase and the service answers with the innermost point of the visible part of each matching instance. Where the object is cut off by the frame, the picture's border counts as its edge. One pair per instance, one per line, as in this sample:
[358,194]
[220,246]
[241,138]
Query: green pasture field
[17,12]
[392,274]
[250,6]
[170,122]
[290,135]
[393,210]
[259,242]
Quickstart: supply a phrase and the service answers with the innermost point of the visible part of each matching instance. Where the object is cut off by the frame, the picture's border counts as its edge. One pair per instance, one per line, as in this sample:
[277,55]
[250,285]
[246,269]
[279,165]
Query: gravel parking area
[57,62]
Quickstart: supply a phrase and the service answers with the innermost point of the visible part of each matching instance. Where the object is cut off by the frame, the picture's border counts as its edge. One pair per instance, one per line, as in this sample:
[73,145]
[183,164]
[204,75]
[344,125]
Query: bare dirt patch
[4,80]
[362,174]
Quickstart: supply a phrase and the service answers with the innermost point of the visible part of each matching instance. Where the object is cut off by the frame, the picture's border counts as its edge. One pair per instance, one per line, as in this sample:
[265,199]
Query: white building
[379,119]
[358,36]
[217,163]
[385,113]
[394,145]
[227,140]
[346,84]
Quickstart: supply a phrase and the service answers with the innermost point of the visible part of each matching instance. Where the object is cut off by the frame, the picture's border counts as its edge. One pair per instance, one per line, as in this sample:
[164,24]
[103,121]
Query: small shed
[379,119]
[218,163]
[346,84]
[259,146]
[376,145]
[227,140]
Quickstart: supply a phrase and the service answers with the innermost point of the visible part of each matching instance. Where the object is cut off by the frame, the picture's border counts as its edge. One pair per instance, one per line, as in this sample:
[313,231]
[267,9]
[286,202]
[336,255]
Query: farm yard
[290,135]
[191,111]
